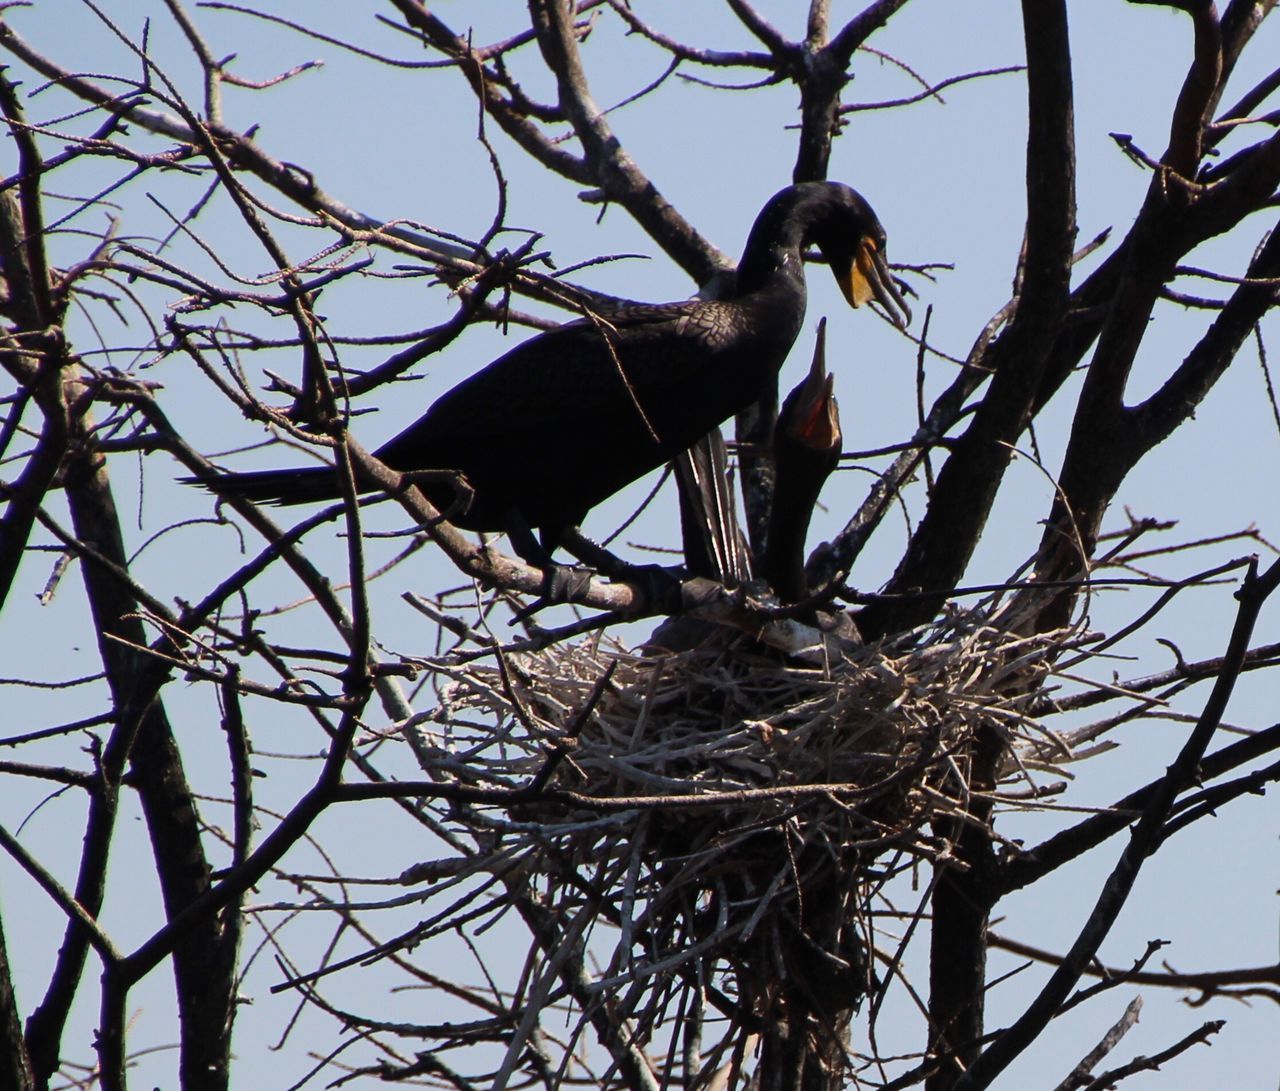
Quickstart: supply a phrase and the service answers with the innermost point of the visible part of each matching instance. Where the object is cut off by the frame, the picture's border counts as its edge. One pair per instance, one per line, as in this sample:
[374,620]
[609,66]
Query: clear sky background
[946,178]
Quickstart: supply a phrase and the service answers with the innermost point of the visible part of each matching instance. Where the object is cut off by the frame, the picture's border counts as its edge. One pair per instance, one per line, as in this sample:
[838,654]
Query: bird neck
[783,567]
[770,269]
[800,477]
[772,257]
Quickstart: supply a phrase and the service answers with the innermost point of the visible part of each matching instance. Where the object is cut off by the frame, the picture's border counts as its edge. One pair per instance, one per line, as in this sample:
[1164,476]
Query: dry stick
[931,90]
[480,563]
[508,797]
[515,114]
[1143,841]
[680,51]
[630,1060]
[481,53]
[1179,677]
[1266,374]
[1109,1042]
[57,774]
[1208,981]
[560,749]
[208,63]
[1111,982]
[1180,585]
[357,677]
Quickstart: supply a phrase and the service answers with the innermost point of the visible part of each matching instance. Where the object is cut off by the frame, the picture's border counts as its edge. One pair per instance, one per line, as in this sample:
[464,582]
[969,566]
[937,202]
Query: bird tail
[297,486]
[713,545]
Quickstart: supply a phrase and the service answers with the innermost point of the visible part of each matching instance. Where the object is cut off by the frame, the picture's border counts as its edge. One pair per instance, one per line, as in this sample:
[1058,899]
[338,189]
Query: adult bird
[569,417]
[806,448]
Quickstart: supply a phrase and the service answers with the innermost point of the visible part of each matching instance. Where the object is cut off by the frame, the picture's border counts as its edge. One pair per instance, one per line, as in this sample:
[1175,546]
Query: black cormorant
[806,448]
[566,419]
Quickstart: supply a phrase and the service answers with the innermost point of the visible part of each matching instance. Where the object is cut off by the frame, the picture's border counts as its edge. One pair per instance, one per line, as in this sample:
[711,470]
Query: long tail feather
[298,486]
[713,545]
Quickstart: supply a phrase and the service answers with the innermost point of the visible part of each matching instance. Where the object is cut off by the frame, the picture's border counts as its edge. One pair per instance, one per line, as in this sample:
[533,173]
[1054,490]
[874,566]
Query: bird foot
[660,588]
[560,584]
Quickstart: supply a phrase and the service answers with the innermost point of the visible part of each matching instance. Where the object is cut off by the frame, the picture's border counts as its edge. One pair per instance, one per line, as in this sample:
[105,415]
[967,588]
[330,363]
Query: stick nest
[725,804]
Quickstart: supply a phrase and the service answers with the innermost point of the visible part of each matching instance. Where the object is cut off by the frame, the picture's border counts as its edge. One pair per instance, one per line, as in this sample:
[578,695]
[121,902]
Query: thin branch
[1209,982]
[63,898]
[1080,1074]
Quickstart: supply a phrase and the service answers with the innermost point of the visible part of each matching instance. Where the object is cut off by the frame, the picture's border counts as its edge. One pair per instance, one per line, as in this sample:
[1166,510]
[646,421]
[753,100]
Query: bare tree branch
[971,475]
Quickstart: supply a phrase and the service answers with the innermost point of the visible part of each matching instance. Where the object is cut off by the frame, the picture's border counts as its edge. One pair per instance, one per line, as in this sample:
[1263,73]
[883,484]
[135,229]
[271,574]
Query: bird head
[810,417]
[848,233]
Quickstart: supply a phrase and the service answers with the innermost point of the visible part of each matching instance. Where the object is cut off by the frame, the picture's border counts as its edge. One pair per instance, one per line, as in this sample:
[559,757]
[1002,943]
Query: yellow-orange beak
[867,277]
